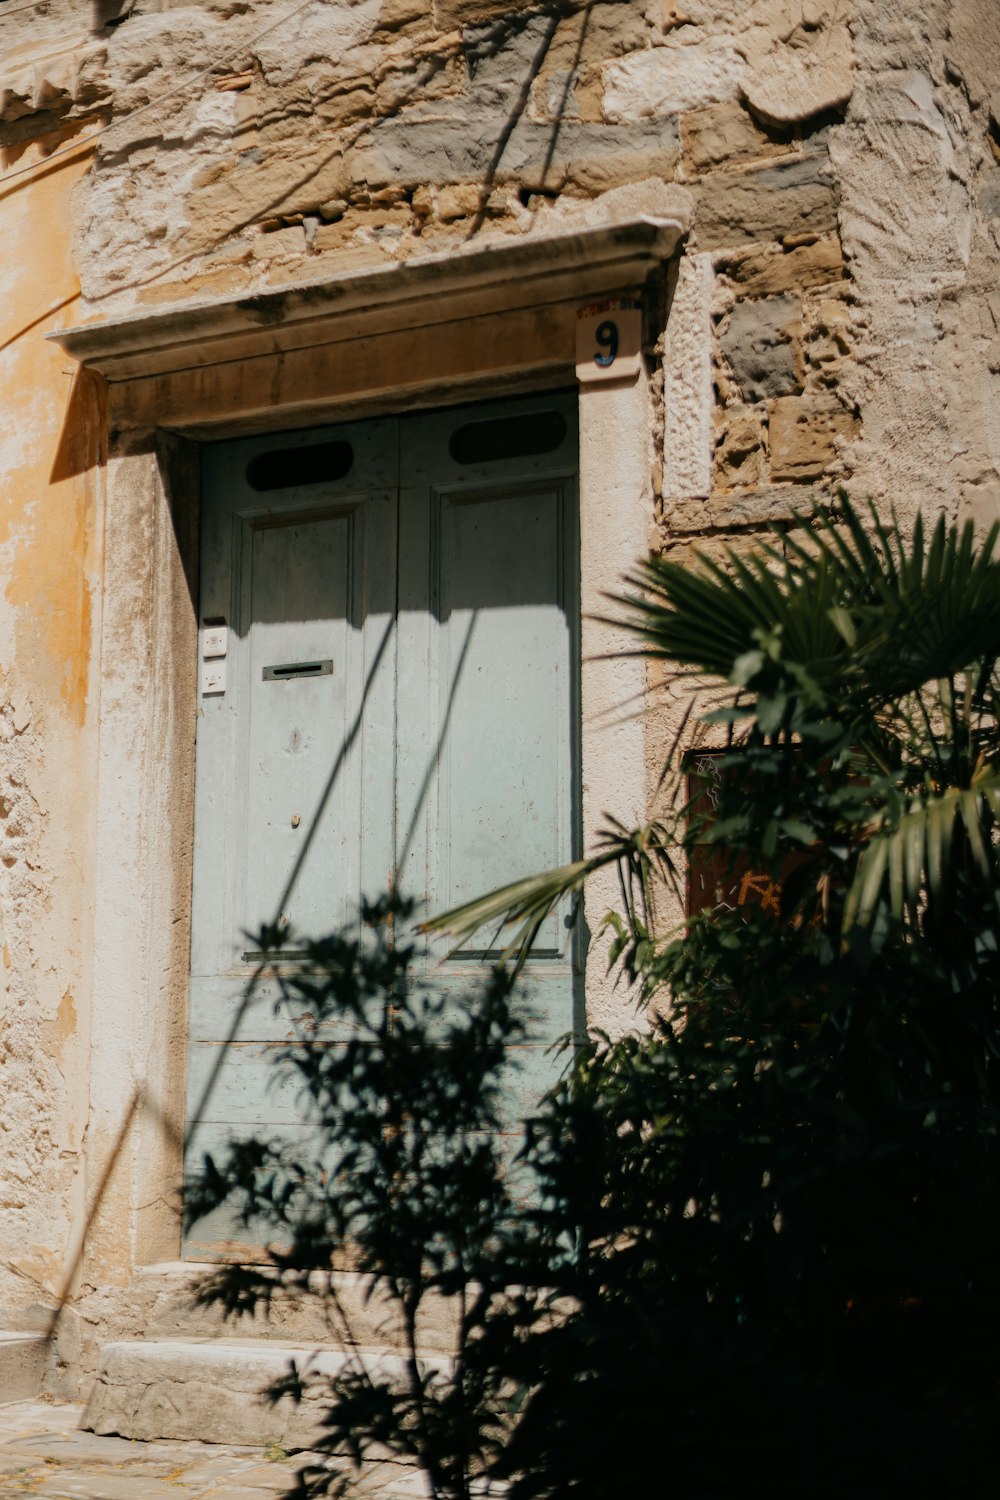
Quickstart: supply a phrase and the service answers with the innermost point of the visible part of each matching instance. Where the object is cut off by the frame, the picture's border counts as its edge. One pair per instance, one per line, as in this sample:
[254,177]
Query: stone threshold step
[209,1389]
[165,1298]
[23,1357]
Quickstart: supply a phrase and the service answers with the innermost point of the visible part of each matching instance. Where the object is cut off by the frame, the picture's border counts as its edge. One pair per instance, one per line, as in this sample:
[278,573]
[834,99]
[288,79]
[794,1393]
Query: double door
[387,697]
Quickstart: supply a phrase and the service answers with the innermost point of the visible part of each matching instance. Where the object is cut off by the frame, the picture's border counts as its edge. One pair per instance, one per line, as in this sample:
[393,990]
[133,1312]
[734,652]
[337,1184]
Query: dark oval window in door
[285,468]
[508,437]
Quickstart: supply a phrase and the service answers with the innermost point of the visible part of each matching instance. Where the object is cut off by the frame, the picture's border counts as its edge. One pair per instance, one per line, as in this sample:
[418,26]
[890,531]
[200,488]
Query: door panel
[492,655]
[500,772]
[300,586]
[268,750]
[401,707]
[300,573]
[488,638]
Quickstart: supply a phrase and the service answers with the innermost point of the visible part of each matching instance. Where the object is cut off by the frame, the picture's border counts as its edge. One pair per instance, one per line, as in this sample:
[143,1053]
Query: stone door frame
[474,324]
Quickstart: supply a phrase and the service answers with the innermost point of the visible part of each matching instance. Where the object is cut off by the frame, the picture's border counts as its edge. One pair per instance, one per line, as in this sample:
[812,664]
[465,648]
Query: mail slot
[286,670]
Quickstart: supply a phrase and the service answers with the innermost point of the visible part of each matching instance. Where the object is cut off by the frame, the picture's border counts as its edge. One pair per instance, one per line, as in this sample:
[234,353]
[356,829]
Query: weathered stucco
[834,318]
[919,162]
[50,545]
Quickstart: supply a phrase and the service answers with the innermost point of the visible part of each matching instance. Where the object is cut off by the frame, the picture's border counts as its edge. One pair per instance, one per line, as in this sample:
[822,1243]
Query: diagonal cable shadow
[140,1097]
[513,120]
[302,855]
[555,16]
[48,313]
[248,991]
[433,759]
[567,89]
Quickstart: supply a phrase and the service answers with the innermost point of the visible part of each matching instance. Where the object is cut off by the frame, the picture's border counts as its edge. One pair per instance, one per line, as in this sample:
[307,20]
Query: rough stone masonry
[839,160]
[835,319]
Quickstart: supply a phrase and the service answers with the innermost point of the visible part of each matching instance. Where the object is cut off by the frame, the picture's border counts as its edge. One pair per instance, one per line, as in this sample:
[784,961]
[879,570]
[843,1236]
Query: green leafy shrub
[755,1247]
[403,1179]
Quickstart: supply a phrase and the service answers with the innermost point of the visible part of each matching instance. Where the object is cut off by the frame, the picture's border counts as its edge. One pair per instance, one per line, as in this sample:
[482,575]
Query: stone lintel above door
[415,327]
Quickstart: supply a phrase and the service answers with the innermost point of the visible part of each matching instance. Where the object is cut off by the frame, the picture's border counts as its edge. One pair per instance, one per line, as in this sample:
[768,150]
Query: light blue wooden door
[488,609]
[397,600]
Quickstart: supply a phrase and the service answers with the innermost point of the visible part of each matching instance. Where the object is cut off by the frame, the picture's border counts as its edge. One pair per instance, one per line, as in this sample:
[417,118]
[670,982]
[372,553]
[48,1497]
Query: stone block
[739,446]
[664,81]
[759,507]
[803,433]
[422,203]
[364,220]
[725,135]
[732,509]
[164,1298]
[417,78]
[793,84]
[648,197]
[597,33]
[280,243]
[595,158]
[500,55]
[23,1358]
[460,201]
[394,14]
[311,40]
[602,172]
[761,273]
[345,103]
[827,337]
[228,281]
[553,96]
[789,198]
[588,94]
[504,47]
[565,95]
[674,546]
[453,145]
[687,381]
[761,346]
[449,13]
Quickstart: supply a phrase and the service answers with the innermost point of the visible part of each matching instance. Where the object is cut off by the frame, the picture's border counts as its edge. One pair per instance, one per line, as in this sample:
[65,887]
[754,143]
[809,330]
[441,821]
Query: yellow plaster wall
[50,542]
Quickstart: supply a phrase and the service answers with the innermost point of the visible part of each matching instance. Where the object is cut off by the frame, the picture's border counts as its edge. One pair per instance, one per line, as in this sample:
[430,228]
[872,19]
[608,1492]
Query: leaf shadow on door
[315,821]
[197,1114]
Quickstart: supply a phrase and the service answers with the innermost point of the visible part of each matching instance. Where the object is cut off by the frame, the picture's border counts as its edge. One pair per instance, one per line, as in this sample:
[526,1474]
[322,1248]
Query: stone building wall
[839,162]
[838,159]
[834,319]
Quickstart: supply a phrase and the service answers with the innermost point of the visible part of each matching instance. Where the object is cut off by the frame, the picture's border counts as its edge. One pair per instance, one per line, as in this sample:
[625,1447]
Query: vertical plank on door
[487,699]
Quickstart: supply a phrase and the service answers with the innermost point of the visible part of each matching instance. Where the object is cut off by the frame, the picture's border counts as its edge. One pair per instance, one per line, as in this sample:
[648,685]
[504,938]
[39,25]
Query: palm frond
[918,851]
[859,613]
[645,856]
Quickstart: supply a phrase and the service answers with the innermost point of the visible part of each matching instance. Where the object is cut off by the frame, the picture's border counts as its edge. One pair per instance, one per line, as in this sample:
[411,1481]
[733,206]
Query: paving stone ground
[43,1452]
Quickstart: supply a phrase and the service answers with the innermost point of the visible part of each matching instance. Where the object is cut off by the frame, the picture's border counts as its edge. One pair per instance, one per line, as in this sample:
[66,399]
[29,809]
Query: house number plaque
[609,340]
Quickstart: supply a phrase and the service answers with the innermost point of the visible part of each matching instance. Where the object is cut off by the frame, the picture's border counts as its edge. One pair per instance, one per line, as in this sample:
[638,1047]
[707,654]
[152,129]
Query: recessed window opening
[508,437]
[287,468]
